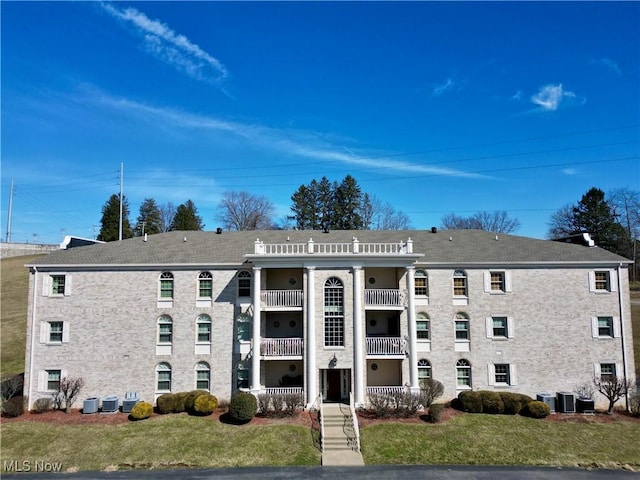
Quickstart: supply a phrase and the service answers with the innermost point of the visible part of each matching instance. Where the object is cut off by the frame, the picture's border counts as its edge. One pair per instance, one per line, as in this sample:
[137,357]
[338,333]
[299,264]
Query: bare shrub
[430,390]
[68,391]
[264,400]
[43,405]
[293,402]
[277,400]
[11,385]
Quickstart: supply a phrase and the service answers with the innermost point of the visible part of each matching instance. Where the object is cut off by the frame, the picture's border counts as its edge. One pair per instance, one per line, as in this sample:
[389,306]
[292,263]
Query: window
[163,377]
[55,331]
[165,329]
[502,373]
[53,379]
[497,281]
[205,285]
[607,370]
[421,284]
[462,326]
[242,375]
[500,327]
[58,284]
[203,376]
[424,370]
[463,374]
[333,313]
[166,285]
[243,323]
[605,326]
[204,328]
[602,281]
[244,283]
[459,283]
[422,326]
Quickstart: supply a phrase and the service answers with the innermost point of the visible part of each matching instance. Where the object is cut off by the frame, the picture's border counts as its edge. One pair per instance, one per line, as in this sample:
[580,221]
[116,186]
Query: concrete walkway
[339,437]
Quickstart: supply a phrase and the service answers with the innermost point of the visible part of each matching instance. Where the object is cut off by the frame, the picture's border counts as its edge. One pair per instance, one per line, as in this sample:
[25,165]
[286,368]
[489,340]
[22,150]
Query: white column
[310,351]
[411,320]
[255,357]
[358,341]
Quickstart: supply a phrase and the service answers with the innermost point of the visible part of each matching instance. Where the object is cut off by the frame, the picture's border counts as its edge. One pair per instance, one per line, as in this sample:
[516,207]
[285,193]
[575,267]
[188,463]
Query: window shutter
[63,374]
[613,281]
[616,327]
[42,381]
[596,370]
[44,332]
[65,332]
[45,285]
[489,326]
[67,285]
[512,375]
[507,282]
[487,282]
[592,281]
[594,327]
[491,374]
[511,329]
[619,371]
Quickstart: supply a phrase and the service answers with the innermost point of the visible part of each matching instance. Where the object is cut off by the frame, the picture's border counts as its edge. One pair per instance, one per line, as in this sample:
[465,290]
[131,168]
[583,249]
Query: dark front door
[334,377]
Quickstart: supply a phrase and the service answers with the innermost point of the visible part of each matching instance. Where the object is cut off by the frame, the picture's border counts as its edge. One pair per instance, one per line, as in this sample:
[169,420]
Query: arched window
[166,285]
[243,325]
[165,329]
[424,369]
[205,285]
[459,283]
[463,373]
[421,283]
[242,373]
[423,326]
[163,377]
[203,323]
[203,376]
[333,313]
[244,283]
[462,326]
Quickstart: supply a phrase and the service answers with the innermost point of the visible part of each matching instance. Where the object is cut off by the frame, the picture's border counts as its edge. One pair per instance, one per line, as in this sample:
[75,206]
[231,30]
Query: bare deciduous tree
[379,215]
[167,213]
[497,221]
[68,391]
[613,388]
[245,211]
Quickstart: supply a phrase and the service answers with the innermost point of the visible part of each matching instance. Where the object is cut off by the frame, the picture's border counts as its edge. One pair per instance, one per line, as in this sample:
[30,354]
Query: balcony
[386,390]
[386,346]
[281,298]
[385,298]
[281,347]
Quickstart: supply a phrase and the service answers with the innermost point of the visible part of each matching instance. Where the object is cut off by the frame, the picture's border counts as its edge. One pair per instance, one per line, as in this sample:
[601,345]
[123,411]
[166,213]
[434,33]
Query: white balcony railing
[343,248]
[385,390]
[386,346]
[281,347]
[283,390]
[281,298]
[385,297]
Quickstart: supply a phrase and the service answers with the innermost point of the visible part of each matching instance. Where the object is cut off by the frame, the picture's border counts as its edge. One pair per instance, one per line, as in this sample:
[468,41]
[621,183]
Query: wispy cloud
[551,97]
[569,171]
[446,86]
[170,47]
[609,64]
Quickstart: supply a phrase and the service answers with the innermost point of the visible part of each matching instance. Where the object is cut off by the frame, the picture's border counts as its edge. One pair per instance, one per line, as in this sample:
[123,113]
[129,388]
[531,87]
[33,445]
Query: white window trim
[43,378]
[613,280]
[210,323]
[47,284]
[45,332]
[596,367]
[595,330]
[487,282]
[510,327]
[491,372]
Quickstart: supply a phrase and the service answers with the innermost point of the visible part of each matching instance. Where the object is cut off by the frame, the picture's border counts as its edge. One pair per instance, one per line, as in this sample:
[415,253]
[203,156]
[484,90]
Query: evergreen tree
[186,218]
[305,216]
[110,222]
[149,218]
[346,205]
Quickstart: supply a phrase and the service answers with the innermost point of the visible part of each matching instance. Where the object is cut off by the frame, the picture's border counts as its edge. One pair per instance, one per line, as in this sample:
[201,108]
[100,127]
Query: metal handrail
[356,428]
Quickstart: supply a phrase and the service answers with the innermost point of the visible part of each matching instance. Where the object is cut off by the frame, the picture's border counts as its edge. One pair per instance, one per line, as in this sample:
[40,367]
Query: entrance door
[334,378]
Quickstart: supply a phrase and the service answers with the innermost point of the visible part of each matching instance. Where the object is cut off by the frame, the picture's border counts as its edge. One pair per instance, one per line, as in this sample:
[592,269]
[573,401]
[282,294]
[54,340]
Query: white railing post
[310,245]
[258,247]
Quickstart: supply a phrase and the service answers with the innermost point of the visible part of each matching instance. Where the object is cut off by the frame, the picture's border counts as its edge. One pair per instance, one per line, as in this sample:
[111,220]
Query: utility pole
[121,201]
[10,213]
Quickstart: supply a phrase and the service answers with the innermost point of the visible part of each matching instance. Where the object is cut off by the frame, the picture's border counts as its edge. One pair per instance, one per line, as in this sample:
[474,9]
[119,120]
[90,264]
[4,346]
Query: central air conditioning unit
[549,399]
[566,402]
[110,404]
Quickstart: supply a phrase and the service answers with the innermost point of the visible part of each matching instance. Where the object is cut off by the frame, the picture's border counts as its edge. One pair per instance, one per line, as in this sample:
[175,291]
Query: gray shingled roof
[451,247]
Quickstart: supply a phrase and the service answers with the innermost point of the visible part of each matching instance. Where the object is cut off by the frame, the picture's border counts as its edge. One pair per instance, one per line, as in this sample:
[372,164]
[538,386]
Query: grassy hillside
[14,290]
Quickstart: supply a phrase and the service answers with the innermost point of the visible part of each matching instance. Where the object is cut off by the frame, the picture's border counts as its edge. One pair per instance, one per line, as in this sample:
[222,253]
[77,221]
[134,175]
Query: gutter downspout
[33,335]
[622,337]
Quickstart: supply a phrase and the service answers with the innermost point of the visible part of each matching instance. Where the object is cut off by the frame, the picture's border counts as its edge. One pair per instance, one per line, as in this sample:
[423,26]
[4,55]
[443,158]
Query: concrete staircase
[339,442]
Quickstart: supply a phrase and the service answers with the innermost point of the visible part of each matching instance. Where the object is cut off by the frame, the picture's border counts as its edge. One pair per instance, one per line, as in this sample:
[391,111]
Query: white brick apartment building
[331,314]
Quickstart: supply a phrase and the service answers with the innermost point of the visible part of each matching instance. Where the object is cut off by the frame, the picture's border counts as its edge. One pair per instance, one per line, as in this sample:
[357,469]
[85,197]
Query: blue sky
[434,107]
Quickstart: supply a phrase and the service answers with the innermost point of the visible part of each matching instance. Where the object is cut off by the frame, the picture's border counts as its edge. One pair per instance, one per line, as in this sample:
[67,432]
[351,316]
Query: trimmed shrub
[470,401]
[166,403]
[524,399]
[491,402]
[14,407]
[436,410]
[537,409]
[430,390]
[243,407]
[180,402]
[512,403]
[293,402]
[42,405]
[277,400]
[205,404]
[264,401]
[141,410]
[191,398]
